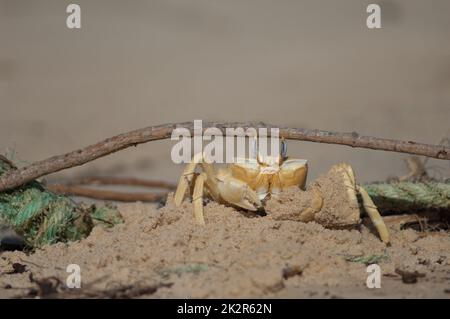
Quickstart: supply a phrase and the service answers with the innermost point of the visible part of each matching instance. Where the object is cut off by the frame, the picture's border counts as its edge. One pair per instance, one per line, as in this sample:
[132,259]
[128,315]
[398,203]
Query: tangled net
[43,218]
[398,197]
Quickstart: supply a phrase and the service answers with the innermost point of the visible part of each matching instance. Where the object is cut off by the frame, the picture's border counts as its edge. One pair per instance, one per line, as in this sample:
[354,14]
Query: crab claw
[239,193]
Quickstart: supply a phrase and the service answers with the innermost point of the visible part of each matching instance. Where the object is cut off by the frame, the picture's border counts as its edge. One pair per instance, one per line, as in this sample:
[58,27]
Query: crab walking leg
[187,176]
[307,214]
[197,198]
[374,215]
[349,182]
[369,206]
[184,182]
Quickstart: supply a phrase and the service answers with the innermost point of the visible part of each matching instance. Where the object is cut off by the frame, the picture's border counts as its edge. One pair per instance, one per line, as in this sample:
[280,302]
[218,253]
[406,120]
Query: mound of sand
[235,254]
[327,201]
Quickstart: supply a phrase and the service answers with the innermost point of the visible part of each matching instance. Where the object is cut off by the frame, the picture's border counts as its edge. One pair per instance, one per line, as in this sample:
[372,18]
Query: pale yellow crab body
[246,183]
[269,180]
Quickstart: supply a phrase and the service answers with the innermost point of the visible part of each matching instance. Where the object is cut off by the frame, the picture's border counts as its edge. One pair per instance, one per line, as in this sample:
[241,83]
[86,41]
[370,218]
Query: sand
[327,201]
[298,64]
[162,253]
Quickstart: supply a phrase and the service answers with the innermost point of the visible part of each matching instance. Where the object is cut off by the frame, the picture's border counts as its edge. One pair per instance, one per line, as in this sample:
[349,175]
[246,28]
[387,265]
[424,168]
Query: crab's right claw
[238,193]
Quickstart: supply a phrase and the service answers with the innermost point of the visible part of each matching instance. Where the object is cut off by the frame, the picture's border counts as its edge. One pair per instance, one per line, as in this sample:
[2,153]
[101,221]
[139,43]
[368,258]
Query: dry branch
[15,178]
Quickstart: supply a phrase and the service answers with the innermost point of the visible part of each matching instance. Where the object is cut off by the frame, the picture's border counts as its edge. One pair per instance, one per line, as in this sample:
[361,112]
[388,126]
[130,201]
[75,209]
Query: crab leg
[183,184]
[307,214]
[187,176]
[369,206]
[197,198]
[374,215]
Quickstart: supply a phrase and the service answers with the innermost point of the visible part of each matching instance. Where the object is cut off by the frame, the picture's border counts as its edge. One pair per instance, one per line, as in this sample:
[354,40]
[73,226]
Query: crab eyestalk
[269,160]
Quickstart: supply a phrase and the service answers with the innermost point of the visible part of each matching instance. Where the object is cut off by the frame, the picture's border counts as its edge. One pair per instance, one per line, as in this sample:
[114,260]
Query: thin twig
[57,163]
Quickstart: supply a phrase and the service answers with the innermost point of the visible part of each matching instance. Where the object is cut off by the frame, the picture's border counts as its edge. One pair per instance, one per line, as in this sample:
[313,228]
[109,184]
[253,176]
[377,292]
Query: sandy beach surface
[311,64]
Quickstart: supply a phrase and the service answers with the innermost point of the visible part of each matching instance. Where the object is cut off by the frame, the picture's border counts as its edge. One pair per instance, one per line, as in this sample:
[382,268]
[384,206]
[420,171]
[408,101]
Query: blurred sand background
[311,64]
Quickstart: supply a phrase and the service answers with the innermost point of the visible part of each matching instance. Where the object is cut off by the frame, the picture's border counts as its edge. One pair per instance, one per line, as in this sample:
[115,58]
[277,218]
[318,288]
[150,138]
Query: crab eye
[254,149]
[283,149]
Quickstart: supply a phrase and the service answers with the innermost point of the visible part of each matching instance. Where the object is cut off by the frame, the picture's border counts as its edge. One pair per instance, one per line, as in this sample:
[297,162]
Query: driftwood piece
[72,190]
[15,178]
[78,188]
[425,220]
[121,181]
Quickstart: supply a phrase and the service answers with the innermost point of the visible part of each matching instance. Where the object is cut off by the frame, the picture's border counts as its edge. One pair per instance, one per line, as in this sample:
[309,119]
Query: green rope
[410,196]
[43,218]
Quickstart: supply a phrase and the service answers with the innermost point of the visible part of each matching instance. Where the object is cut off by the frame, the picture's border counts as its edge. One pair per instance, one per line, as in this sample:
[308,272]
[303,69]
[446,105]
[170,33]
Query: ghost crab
[249,182]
